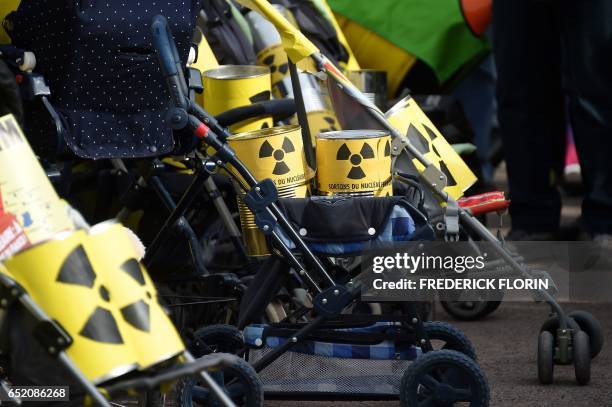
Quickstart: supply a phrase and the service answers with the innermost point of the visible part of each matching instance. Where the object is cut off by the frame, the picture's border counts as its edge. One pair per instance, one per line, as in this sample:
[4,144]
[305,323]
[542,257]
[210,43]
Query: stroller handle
[169,60]
[278,109]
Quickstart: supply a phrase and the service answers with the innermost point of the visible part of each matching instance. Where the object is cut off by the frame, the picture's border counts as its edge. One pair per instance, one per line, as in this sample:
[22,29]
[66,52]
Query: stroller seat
[348,225]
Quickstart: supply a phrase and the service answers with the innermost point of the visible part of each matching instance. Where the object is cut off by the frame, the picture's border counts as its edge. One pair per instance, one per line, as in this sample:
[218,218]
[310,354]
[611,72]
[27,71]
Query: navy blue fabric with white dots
[105,79]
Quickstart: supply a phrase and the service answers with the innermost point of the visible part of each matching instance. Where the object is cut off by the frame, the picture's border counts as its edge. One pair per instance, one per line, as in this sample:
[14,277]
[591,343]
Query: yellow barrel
[231,86]
[354,162]
[30,210]
[94,286]
[275,58]
[268,46]
[321,121]
[276,153]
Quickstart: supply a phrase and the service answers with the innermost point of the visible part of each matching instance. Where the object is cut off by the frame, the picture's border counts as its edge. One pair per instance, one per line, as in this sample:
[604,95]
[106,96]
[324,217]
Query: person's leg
[587,61]
[476,93]
[530,109]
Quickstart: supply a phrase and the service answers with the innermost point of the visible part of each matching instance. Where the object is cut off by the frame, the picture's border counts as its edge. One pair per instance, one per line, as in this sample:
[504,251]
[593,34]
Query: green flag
[434,31]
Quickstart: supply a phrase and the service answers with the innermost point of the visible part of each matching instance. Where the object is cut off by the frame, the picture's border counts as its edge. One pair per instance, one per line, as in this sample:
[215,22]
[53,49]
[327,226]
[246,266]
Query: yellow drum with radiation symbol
[321,121]
[275,58]
[354,162]
[267,43]
[93,285]
[408,118]
[231,86]
[278,154]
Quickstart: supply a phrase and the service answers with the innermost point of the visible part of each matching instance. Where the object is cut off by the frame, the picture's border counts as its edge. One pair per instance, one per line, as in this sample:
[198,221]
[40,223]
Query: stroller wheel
[589,324]
[443,378]
[469,310]
[546,355]
[217,338]
[582,358]
[451,338]
[239,380]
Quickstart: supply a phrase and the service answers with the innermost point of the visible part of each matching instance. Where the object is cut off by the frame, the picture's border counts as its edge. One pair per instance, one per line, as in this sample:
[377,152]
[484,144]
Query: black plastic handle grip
[278,109]
[162,40]
[169,60]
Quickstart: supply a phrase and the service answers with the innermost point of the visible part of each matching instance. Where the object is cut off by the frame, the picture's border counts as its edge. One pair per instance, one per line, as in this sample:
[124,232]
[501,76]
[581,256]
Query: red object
[19,78]
[12,236]
[201,131]
[477,14]
[485,203]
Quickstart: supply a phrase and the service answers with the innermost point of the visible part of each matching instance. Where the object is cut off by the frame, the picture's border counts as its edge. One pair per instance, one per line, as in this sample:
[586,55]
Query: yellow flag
[296,45]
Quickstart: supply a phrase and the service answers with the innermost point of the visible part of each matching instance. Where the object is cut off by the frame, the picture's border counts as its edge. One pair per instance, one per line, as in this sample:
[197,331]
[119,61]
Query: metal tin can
[268,46]
[231,86]
[321,116]
[373,83]
[354,162]
[276,153]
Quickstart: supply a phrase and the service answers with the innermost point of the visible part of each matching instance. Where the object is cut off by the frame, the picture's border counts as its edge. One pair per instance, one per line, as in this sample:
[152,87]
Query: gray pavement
[506,344]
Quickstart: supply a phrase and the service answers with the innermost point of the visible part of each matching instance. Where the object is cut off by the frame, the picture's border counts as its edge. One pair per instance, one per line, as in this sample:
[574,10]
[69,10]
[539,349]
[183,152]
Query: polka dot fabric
[99,62]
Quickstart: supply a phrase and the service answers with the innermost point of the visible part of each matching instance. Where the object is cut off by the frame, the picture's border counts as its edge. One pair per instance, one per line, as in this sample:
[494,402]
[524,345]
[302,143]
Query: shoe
[519,235]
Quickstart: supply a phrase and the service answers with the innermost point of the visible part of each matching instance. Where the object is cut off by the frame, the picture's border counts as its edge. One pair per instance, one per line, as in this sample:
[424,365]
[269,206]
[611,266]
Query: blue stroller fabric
[345,226]
[399,227]
[103,72]
[254,335]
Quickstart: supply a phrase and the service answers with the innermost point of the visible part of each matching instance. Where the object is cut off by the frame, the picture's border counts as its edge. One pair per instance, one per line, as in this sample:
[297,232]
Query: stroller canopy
[102,70]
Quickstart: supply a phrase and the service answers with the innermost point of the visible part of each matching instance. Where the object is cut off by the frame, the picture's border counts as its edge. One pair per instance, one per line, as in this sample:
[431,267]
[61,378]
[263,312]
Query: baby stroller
[113,145]
[395,339]
[91,344]
[454,217]
[79,314]
[558,335]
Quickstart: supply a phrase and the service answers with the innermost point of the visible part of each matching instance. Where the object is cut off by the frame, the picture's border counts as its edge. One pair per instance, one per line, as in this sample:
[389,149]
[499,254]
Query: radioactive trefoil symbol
[331,122]
[101,325]
[344,154]
[266,150]
[425,146]
[270,61]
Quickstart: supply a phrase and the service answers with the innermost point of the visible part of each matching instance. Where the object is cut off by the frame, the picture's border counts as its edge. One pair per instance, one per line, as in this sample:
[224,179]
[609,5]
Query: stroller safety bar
[278,109]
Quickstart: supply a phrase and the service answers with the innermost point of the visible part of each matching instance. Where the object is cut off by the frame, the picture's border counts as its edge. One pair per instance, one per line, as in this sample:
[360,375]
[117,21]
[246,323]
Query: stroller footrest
[399,348]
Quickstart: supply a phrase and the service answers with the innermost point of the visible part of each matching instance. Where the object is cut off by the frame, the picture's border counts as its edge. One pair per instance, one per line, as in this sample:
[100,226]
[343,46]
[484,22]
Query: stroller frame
[262,194]
[330,298]
[431,176]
